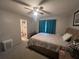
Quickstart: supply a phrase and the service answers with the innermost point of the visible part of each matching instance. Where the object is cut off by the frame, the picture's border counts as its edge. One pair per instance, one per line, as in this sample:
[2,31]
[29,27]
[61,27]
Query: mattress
[48,41]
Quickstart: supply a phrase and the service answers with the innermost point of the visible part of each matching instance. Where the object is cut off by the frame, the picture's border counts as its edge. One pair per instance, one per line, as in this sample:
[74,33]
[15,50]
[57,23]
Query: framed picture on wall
[76,18]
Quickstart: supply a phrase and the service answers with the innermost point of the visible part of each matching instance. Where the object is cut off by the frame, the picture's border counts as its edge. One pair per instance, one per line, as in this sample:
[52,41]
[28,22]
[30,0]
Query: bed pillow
[66,36]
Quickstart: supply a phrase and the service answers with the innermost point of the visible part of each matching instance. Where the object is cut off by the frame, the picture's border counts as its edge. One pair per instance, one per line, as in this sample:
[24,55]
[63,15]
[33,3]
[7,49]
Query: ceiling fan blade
[42,2]
[41,13]
[30,12]
[21,2]
[27,8]
[46,12]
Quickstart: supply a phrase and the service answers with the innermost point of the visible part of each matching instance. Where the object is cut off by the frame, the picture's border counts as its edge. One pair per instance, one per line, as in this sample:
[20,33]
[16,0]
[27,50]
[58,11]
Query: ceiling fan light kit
[35,13]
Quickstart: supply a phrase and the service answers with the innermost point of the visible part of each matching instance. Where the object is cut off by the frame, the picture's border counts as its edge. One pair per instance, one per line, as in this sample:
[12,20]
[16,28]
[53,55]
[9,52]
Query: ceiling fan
[34,10]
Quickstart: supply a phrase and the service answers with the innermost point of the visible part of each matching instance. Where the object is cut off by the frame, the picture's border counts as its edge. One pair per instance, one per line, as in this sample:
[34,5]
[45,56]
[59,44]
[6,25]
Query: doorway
[23,26]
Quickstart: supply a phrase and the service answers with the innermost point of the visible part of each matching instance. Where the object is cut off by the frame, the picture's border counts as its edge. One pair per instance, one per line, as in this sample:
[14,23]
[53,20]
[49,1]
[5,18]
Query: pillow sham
[66,36]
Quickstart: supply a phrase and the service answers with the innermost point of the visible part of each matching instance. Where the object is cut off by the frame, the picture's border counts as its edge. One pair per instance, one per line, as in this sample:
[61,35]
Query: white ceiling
[56,7]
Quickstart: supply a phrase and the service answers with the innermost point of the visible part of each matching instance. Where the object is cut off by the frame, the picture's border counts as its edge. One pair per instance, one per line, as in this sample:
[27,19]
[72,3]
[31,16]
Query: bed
[50,44]
[48,41]
[47,44]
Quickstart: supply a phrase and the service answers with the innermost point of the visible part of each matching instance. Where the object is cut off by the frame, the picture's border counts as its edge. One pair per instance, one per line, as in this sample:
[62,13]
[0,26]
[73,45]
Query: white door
[23,24]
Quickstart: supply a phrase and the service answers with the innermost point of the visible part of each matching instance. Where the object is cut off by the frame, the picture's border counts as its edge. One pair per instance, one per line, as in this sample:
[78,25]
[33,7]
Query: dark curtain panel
[48,26]
[42,26]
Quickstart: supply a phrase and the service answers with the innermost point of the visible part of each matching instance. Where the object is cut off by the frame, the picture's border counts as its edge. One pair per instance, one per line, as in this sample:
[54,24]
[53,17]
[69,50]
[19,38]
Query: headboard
[74,32]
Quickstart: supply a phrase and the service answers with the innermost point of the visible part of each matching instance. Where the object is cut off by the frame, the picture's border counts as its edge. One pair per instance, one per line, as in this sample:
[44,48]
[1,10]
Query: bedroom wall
[61,23]
[71,23]
[10,26]
[72,16]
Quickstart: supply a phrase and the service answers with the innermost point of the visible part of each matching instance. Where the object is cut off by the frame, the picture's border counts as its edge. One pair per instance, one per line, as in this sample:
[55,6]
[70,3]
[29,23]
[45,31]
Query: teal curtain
[42,26]
[47,26]
[51,26]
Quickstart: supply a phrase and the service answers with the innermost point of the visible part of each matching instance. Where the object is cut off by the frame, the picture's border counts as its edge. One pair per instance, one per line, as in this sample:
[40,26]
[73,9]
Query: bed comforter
[48,41]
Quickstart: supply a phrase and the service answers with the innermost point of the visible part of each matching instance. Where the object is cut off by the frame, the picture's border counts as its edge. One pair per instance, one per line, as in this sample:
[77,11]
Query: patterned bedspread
[48,41]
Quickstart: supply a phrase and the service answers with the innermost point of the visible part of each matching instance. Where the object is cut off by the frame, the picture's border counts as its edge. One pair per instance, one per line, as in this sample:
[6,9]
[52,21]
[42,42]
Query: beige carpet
[21,52]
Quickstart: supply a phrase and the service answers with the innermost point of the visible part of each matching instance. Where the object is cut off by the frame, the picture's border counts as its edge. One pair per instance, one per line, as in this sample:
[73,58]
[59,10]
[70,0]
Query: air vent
[7,44]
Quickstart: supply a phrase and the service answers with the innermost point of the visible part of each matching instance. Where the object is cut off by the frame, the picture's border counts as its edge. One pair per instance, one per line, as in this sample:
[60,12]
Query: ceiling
[55,7]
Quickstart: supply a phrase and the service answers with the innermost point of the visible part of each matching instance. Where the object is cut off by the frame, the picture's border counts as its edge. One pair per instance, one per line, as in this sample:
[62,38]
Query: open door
[23,26]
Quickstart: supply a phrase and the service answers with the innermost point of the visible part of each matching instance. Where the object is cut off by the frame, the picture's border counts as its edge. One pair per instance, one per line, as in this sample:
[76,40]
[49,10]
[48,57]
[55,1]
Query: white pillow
[66,36]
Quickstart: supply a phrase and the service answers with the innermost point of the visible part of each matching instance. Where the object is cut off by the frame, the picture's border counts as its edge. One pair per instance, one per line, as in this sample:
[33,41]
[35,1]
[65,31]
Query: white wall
[10,26]
[61,23]
[71,22]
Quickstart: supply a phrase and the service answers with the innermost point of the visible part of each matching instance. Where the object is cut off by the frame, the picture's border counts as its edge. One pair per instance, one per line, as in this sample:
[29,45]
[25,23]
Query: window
[47,26]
